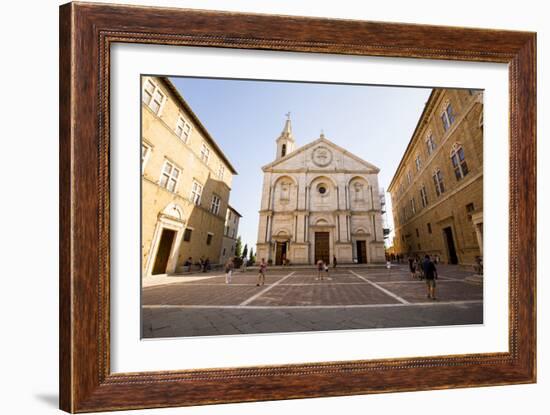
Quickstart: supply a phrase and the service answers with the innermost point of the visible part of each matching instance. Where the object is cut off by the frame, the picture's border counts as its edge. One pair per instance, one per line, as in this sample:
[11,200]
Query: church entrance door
[280,253]
[322,250]
[361,252]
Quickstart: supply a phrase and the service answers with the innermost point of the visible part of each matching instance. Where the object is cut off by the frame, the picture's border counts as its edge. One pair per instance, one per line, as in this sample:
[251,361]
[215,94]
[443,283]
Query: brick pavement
[291,301]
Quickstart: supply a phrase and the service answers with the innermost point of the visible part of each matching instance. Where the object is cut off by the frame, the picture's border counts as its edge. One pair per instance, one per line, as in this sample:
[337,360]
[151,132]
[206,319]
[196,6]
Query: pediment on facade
[321,154]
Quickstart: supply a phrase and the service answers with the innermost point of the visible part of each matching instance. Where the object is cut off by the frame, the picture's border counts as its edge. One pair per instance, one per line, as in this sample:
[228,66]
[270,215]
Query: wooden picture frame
[86,33]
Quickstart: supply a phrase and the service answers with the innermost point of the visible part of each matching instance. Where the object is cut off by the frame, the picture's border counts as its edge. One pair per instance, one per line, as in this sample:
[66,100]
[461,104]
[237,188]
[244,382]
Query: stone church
[319,201]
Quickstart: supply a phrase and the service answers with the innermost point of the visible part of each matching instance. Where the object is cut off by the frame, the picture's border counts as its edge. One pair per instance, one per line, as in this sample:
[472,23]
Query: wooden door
[163,251]
[361,252]
[280,252]
[322,249]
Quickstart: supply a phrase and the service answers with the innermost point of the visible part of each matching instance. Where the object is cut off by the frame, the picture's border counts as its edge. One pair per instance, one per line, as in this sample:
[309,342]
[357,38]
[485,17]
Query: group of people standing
[322,270]
[424,269]
[230,266]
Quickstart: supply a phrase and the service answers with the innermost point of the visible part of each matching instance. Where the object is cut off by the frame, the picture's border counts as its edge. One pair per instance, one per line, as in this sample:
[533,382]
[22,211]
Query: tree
[238,247]
[245,250]
[252,257]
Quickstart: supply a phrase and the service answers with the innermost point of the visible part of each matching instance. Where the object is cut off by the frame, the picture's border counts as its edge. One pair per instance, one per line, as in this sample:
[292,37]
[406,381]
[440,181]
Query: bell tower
[285,142]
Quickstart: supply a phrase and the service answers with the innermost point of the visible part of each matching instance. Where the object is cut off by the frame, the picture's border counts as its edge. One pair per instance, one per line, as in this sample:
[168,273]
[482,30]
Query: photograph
[281,206]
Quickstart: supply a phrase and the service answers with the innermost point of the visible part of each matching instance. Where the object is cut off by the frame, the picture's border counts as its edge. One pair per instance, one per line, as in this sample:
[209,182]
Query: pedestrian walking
[320,269]
[430,274]
[261,273]
[326,270]
[334,262]
[412,266]
[229,265]
[420,269]
[244,264]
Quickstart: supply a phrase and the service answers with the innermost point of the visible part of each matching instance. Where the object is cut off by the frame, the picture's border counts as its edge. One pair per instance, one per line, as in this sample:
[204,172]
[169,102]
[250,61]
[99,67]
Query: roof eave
[198,122]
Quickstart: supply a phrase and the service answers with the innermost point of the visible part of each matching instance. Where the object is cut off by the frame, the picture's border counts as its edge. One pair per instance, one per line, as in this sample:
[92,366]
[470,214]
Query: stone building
[186,181]
[318,202]
[437,190]
[230,233]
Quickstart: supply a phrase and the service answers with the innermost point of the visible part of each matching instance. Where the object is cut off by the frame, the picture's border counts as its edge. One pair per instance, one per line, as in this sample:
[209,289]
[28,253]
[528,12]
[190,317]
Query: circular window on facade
[322,189]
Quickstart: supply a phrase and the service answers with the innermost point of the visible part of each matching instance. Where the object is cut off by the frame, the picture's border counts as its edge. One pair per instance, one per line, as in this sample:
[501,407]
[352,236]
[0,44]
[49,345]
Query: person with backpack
[430,275]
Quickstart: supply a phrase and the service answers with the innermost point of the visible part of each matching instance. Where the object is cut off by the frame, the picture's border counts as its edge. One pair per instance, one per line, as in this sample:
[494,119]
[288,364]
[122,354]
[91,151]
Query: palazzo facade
[186,183]
[319,202]
[437,190]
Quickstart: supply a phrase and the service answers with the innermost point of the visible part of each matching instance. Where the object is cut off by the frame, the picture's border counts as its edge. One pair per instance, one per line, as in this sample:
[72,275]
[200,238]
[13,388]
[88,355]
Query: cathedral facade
[319,202]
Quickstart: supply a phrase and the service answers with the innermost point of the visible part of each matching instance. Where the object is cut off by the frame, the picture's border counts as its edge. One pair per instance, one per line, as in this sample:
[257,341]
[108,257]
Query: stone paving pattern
[300,302]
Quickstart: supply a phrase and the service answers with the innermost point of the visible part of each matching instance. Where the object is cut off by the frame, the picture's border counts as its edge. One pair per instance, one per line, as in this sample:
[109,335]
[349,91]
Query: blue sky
[246,117]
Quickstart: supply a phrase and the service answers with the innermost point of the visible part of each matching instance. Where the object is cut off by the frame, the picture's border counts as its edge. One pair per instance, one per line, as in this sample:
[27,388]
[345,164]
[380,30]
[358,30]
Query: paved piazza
[293,300]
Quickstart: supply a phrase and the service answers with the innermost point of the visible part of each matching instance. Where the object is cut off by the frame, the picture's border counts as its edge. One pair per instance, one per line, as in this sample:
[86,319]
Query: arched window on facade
[283,150]
[459,161]
[430,143]
[438,182]
[447,116]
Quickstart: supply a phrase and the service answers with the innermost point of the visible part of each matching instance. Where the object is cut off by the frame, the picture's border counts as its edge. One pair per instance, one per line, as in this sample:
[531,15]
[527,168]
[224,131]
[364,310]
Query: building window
[413,206]
[447,117]
[283,150]
[187,234]
[196,192]
[430,144]
[459,161]
[169,176]
[470,210]
[221,171]
[227,231]
[223,252]
[409,177]
[183,129]
[205,153]
[417,233]
[438,182]
[418,163]
[215,206]
[145,152]
[209,239]
[429,228]
[153,97]
[423,196]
